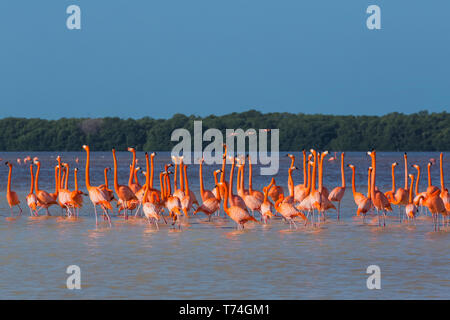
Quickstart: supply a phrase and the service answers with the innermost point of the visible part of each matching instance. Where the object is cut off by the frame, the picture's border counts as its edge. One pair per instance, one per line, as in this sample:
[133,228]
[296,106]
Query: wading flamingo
[234,200]
[44,198]
[267,206]
[436,206]
[237,214]
[338,193]
[379,200]
[210,205]
[124,193]
[97,195]
[411,209]
[300,189]
[11,196]
[186,201]
[150,208]
[289,212]
[366,203]
[32,200]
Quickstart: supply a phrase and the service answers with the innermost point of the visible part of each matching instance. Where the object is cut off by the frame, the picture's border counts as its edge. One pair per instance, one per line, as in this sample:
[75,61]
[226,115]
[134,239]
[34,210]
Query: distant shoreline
[420,131]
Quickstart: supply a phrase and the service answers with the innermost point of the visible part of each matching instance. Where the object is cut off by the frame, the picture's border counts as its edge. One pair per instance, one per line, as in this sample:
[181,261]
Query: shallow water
[211,260]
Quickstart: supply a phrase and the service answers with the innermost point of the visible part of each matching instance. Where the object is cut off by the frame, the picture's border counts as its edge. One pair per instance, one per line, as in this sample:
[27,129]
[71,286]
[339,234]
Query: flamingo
[140,193]
[300,189]
[150,208]
[366,203]
[11,196]
[417,200]
[173,203]
[334,158]
[236,213]
[338,193]
[323,204]
[97,195]
[401,195]
[105,187]
[77,195]
[222,175]
[357,196]
[379,200]
[124,193]
[65,195]
[45,199]
[275,192]
[312,195]
[234,200]
[289,212]
[32,200]
[186,201]
[210,205]
[266,206]
[435,204]
[290,198]
[411,209]
[251,199]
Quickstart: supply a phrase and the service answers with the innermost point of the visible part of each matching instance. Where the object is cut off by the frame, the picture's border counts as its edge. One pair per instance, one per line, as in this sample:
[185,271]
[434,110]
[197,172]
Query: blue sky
[156,58]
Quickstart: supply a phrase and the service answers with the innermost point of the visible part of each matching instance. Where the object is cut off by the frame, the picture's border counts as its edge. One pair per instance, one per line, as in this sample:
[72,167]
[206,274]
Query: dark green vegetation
[392,132]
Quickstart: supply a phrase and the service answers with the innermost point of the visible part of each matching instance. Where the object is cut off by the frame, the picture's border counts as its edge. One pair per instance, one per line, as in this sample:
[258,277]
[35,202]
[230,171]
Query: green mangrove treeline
[420,131]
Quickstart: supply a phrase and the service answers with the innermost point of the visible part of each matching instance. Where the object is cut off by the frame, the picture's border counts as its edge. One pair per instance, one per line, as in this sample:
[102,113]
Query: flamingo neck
[36,180]
[290,182]
[250,176]
[417,180]
[75,175]
[305,180]
[116,182]
[393,178]
[429,175]
[406,171]
[441,158]
[67,177]
[186,179]
[342,170]
[181,176]
[136,180]
[313,183]
[106,177]
[202,188]
[88,180]
[8,188]
[410,200]
[32,179]
[147,180]
[133,165]
[152,164]
[230,191]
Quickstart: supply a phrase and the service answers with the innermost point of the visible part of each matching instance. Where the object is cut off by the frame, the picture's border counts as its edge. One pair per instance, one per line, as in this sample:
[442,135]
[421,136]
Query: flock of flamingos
[308,202]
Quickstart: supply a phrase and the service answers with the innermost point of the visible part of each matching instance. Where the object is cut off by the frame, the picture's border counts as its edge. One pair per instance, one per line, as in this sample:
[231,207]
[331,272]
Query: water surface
[213,260]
